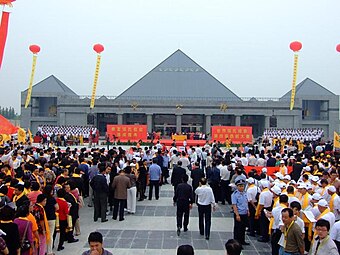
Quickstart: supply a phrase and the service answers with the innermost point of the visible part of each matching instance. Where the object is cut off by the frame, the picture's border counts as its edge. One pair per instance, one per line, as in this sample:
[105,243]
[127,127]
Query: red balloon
[295,46]
[98,48]
[34,49]
[338,48]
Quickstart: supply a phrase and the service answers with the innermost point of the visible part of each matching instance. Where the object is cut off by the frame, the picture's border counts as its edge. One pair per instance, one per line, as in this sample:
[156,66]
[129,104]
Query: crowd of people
[43,189]
[301,134]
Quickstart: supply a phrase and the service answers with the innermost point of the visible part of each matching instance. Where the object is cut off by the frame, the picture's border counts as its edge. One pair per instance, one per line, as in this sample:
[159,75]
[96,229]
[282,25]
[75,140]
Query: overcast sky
[243,43]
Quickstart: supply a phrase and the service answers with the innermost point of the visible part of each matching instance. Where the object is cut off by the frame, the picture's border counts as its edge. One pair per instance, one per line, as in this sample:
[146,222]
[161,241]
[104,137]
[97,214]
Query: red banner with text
[133,133]
[234,134]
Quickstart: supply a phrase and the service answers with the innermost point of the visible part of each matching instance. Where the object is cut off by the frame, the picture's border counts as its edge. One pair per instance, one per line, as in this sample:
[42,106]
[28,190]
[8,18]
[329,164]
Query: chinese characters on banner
[234,134]
[133,133]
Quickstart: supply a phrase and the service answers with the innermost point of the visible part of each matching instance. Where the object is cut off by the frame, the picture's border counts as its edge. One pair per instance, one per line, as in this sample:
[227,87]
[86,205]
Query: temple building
[179,95]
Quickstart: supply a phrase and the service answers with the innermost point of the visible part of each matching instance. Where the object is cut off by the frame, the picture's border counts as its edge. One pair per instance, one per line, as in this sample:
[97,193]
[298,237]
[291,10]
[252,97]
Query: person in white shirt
[265,202]
[205,202]
[326,214]
[225,180]
[252,191]
[334,202]
[335,234]
[276,225]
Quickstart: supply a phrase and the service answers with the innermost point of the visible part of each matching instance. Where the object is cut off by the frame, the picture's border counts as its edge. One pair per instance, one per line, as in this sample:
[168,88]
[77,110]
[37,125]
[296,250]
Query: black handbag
[25,244]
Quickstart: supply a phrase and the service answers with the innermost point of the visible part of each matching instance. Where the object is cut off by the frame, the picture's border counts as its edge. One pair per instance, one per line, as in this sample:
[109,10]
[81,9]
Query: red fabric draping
[3,33]
[270,170]
[6,127]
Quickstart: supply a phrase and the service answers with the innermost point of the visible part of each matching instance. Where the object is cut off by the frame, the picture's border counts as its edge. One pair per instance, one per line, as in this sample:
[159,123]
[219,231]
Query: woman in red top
[63,212]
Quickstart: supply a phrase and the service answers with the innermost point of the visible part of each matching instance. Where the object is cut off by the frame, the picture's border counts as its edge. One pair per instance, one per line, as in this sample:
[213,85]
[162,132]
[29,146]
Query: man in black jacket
[101,190]
[184,199]
[177,175]
[196,175]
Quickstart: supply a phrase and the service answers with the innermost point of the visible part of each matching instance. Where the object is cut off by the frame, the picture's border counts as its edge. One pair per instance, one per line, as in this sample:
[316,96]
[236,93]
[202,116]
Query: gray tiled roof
[308,87]
[52,85]
[179,76]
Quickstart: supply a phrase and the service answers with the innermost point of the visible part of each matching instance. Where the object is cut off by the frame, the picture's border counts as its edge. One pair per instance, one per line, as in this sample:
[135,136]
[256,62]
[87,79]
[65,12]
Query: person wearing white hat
[265,202]
[283,169]
[276,190]
[315,210]
[265,176]
[287,178]
[304,197]
[314,181]
[334,202]
[252,192]
[325,212]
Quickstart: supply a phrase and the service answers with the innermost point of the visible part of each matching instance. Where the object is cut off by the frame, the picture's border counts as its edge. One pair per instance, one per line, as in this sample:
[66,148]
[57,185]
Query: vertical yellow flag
[21,135]
[29,91]
[336,140]
[30,135]
[94,88]
[292,97]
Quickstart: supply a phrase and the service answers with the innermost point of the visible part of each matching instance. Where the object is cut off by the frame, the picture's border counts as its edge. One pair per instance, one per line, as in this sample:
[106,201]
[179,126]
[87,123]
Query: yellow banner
[30,135]
[29,91]
[21,135]
[292,98]
[336,140]
[94,89]
[4,138]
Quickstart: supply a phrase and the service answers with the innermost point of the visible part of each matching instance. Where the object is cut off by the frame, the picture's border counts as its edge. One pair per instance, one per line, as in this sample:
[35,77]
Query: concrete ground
[152,230]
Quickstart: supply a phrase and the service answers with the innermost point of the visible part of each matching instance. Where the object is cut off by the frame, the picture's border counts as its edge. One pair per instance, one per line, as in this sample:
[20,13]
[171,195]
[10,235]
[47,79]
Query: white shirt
[224,173]
[266,198]
[277,217]
[330,217]
[251,193]
[301,224]
[205,195]
[335,232]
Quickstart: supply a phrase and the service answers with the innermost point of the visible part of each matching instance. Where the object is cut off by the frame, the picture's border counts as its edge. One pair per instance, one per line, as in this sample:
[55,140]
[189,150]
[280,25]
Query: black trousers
[253,224]
[100,206]
[156,185]
[215,186]
[240,228]
[119,204]
[276,235]
[224,191]
[264,226]
[62,231]
[165,174]
[141,189]
[204,219]
[182,209]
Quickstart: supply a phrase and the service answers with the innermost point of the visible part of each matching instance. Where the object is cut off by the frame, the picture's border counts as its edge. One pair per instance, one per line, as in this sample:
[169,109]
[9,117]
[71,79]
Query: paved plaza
[152,230]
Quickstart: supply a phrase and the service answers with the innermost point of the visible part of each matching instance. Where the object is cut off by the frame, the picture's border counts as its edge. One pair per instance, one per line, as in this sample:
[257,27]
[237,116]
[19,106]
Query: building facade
[178,95]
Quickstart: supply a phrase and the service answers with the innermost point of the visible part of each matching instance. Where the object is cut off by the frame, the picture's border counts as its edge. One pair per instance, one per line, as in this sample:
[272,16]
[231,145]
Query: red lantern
[98,48]
[295,46]
[34,49]
[338,48]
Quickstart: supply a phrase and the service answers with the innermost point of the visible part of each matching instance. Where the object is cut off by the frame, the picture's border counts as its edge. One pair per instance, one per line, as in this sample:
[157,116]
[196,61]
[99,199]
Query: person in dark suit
[196,175]
[184,199]
[297,169]
[271,162]
[177,175]
[101,190]
[20,198]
